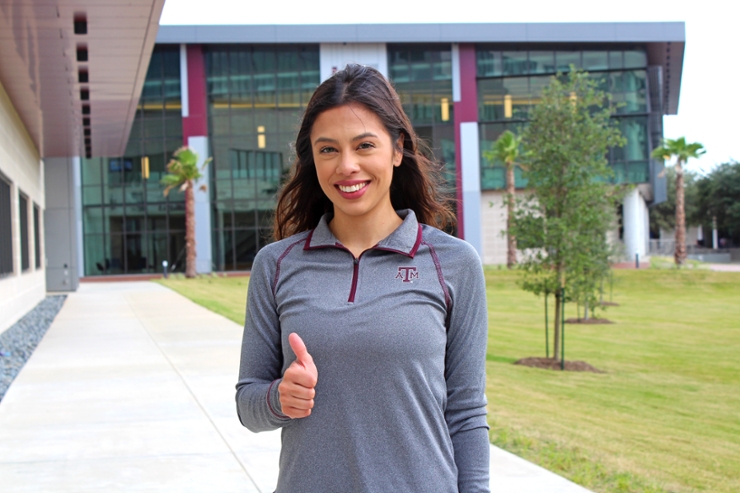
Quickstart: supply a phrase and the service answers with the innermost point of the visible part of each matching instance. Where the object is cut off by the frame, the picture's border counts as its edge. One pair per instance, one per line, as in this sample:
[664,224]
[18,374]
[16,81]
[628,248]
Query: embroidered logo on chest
[407,274]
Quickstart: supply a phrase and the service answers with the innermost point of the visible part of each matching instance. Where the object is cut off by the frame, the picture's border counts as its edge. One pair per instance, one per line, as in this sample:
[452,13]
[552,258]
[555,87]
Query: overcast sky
[709,104]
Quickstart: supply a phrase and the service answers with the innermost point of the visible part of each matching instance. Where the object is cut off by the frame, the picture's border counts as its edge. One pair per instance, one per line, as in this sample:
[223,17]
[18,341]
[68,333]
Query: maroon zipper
[355,273]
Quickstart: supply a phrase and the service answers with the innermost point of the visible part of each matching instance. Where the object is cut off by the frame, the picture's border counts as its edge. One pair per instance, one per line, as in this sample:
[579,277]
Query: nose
[347,164]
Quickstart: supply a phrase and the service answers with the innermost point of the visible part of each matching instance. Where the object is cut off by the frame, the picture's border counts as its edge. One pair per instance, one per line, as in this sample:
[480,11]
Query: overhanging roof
[39,69]
[664,40]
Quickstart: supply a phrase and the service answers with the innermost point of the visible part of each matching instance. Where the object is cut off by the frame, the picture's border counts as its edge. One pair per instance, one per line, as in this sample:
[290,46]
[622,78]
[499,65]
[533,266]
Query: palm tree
[682,152]
[183,172]
[506,149]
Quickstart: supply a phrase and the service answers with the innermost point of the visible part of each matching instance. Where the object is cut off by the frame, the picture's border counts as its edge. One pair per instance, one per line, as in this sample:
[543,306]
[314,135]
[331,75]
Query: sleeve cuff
[273,400]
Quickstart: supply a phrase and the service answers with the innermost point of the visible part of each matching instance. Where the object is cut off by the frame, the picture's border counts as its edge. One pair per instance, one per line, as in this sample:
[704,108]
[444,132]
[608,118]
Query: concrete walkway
[132,389]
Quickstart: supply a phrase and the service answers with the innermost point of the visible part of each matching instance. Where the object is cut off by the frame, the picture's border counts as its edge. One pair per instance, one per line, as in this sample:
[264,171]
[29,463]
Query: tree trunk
[559,292]
[556,324]
[680,252]
[190,231]
[510,240]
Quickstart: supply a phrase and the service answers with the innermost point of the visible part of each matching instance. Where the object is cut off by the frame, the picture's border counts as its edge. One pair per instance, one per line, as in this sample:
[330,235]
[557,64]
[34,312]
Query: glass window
[541,62]
[595,60]
[91,174]
[635,59]
[515,62]
[638,172]
[6,229]
[489,63]
[93,220]
[37,235]
[23,223]
[491,99]
[615,60]
[516,98]
[97,262]
[564,59]
[635,131]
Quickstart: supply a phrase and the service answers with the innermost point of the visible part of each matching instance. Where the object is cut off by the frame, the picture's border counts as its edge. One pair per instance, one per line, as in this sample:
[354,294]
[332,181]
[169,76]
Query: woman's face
[354,158]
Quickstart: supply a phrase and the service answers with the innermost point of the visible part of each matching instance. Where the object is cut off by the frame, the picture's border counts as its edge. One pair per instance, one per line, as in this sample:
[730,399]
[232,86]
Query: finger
[299,348]
[298,375]
[294,413]
[301,388]
[287,401]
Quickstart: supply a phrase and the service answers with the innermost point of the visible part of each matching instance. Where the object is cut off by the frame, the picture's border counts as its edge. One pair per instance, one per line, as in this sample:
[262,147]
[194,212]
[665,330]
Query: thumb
[299,348]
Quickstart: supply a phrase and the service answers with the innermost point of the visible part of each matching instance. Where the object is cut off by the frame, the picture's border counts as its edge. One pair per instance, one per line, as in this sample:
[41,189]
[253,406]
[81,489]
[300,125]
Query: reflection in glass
[541,62]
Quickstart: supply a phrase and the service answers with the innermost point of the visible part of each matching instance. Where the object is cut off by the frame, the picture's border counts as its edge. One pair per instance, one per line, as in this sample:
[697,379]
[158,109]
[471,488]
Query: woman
[366,328]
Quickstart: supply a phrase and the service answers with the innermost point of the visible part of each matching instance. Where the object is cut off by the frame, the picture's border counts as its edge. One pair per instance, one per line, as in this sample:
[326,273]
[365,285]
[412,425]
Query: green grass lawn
[665,417]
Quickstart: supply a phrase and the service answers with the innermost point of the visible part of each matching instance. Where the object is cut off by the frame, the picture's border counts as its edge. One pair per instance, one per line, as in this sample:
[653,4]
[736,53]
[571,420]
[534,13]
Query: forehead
[350,118]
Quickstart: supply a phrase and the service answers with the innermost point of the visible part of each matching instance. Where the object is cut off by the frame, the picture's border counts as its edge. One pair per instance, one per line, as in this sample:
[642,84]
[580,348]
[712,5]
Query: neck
[359,233]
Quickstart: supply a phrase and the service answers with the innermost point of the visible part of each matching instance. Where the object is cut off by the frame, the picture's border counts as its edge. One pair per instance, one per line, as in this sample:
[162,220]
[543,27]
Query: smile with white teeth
[351,188]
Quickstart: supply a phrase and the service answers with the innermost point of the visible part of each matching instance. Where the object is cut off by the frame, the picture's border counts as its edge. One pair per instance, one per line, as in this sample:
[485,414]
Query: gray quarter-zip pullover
[398,337]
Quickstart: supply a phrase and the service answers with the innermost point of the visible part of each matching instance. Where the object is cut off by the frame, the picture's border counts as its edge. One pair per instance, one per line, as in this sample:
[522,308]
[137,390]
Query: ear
[398,152]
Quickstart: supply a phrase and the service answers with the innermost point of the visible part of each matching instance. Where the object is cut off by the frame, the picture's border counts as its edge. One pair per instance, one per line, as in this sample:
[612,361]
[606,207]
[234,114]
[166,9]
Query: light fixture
[445,106]
[261,142]
[507,106]
[145,167]
[81,53]
[80,23]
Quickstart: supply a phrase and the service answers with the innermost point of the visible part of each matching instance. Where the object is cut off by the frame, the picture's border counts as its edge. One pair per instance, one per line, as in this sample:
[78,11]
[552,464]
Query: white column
[635,224]
[471,195]
[77,165]
[203,259]
[334,56]
[456,90]
[184,93]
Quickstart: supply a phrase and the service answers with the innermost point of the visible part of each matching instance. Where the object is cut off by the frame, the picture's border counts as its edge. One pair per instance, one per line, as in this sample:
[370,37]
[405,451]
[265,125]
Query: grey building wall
[60,220]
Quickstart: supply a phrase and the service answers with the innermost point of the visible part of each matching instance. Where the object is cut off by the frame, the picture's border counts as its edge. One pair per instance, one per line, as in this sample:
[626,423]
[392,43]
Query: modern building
[236,93]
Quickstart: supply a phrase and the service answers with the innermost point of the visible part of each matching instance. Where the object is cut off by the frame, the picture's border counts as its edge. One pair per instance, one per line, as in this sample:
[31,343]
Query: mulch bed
[587,321]
[609,303]
[553,364]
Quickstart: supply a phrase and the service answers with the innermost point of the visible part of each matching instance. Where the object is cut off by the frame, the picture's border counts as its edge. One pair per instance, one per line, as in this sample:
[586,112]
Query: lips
[351,189]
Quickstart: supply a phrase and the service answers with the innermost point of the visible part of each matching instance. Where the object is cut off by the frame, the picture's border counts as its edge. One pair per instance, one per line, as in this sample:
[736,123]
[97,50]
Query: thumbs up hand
[297,388]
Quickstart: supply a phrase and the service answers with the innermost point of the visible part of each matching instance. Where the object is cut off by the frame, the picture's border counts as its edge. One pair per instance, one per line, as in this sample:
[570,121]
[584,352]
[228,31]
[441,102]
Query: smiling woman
[355,158]
[366,328]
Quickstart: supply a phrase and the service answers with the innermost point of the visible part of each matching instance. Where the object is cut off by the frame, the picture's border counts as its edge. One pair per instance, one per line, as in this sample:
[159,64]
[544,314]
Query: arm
[257,398]
[465,371]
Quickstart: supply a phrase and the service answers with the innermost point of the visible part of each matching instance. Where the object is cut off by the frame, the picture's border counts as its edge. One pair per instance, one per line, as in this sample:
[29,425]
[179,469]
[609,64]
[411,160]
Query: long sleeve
[257,400]
[465,370]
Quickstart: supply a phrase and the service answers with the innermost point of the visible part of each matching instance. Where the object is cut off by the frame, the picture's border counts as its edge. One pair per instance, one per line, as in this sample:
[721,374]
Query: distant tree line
[715,194]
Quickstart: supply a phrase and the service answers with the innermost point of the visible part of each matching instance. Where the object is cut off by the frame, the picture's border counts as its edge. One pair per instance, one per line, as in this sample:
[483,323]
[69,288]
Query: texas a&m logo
[407,274]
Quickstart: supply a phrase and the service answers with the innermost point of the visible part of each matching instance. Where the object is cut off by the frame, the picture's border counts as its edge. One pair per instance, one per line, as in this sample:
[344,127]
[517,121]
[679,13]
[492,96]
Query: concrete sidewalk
[132,389]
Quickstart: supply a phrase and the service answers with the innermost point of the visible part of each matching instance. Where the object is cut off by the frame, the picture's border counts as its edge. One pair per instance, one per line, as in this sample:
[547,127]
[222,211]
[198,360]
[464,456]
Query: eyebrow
[354,139]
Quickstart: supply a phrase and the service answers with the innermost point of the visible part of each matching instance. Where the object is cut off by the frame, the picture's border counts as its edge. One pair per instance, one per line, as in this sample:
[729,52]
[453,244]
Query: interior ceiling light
[81,53]
[80,22]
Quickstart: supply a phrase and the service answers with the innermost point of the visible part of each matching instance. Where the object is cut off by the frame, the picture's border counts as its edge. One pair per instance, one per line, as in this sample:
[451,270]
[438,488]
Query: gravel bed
[19,341]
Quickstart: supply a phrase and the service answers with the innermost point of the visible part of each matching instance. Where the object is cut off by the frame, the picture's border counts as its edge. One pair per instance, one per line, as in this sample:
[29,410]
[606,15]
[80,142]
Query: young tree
[183,172]
[506,150]
[562,224]
[683,152]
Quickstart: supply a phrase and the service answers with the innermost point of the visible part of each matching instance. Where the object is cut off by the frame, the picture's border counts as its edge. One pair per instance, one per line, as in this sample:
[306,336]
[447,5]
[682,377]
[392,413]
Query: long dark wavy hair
[415,184]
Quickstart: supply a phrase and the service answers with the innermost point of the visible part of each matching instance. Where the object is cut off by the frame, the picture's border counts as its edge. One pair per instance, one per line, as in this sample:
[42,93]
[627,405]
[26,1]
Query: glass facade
[129,226]
[422,76]
[256,97]
[510,83]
